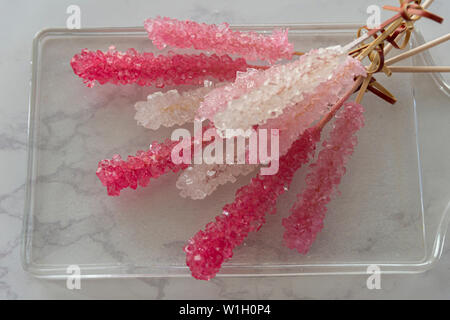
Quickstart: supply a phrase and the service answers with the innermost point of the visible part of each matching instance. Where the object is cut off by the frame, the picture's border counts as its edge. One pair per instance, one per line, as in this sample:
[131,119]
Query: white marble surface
[22,19]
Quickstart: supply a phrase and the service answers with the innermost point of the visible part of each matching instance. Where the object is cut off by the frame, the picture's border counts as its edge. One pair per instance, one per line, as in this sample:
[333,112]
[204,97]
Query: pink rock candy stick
[308,213]
[221,39]
[117,174]
[210,247]
[146,69]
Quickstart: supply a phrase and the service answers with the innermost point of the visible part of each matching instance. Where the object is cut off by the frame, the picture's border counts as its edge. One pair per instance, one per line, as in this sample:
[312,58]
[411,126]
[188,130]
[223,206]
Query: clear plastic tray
[393,210]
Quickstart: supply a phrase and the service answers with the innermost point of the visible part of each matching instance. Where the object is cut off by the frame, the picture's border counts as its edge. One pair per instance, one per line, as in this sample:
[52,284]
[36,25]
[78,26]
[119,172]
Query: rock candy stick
[308,213]
[170,108]
[117,174]
[146,69]
[164,31]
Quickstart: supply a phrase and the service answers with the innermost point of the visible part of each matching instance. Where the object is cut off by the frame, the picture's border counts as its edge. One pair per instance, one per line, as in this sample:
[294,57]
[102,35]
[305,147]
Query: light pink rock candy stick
[308,213]
[164,31]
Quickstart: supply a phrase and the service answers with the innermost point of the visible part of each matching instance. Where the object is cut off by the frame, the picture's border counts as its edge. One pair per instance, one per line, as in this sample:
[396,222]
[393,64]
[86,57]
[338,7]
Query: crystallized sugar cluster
[262,95]
[218,99]
[200,180]
[219,38]
[170,108]
[315,104]
[209,248]
[147,69]
[117,174]
[308,213]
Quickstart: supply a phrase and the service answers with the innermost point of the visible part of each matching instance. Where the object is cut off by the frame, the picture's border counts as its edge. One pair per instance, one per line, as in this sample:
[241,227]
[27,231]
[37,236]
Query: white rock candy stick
[314,105]
[257,96]
[172,107]
[201,180]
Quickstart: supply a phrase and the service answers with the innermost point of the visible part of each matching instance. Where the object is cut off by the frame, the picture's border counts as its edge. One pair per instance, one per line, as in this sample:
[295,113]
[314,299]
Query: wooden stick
[417,50]
[427,3]
[339,104]
[389,47]
[420,69]
[258,67]
[394,25]
[393,22]
[363,89]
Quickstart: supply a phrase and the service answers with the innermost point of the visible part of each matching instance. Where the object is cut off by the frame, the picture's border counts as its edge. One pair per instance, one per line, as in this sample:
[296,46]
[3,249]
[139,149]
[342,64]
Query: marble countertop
[22,19]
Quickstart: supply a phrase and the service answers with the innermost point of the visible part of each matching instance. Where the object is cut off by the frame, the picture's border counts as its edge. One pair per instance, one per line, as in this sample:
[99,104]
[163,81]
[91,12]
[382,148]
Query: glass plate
[392,211]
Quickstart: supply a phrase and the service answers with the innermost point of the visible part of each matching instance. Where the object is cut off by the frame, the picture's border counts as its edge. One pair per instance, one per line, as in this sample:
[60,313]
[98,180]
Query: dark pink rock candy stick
[117,174]
[308,213]
[146,69]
